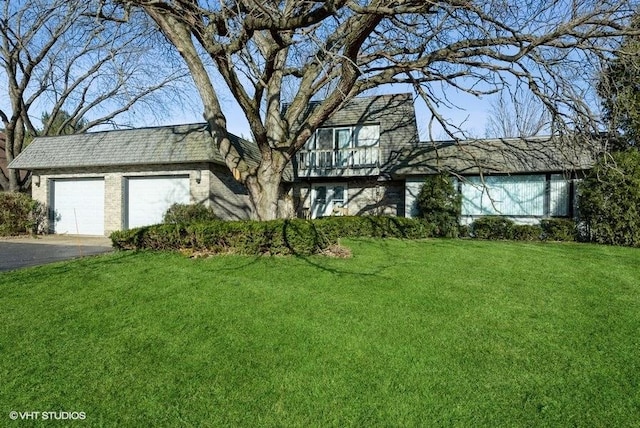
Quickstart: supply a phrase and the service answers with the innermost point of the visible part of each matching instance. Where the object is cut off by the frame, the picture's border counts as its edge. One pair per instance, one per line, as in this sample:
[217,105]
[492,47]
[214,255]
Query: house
[97,183]
[366,159]
[525,179]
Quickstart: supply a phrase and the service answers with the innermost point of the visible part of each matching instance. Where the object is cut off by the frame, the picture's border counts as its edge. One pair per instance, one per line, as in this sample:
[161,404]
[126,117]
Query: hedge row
[494,227]
[304,237]
[290,236]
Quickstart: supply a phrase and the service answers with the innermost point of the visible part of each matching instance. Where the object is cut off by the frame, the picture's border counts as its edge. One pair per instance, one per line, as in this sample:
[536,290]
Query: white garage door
[148,198]
[79,206]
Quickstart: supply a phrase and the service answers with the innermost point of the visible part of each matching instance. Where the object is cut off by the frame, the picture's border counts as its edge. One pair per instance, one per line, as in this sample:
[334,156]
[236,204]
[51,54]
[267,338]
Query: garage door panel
[78,206]
[148,198]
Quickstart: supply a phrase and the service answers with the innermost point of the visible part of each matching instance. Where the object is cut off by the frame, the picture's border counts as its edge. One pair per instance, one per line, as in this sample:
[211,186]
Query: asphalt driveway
[16,253]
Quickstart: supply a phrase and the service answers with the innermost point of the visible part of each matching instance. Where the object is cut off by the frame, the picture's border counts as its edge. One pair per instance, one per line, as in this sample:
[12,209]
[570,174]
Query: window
[321,194]
[342,141]
[517,195]
[338,196]
[343,147]
[328,199]
[367,137]
[559,193]
[324,139]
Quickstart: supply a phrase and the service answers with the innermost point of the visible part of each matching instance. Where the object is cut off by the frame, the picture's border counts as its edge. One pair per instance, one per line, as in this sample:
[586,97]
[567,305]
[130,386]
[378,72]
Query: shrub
[440,204]
[290,236]
[558,229]
[464,231]
[609,200]
[188,213]
[492,227]
[526,232]
[19,214]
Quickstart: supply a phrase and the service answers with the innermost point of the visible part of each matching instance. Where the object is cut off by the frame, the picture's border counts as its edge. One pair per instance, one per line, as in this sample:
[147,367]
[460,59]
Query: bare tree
[58,58]
[518,114]
[295,51]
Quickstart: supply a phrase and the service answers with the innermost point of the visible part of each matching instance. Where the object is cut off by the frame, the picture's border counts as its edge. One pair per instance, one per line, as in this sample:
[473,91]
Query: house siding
[365,196]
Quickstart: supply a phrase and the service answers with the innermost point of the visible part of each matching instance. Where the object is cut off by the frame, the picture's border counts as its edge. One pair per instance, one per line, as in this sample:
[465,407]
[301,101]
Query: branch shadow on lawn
[338,266]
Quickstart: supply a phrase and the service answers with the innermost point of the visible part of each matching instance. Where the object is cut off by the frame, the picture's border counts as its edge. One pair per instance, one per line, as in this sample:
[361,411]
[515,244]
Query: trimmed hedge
[492,227]
[549,229]
[288,236]
[19,214]
[558,229]
[188,213]
[305,237]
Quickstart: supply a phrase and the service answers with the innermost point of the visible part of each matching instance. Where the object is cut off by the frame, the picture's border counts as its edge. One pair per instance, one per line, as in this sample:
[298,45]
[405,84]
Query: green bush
[287,236]
[19,214]
[549,229]
[526,232]
[188,213]
[558,229]
[492,227]
[464,231]
[440,204]
[609,200]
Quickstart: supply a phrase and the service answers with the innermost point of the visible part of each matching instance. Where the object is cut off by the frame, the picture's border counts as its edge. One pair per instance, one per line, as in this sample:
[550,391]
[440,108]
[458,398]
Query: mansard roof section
[499,156]
[373,109]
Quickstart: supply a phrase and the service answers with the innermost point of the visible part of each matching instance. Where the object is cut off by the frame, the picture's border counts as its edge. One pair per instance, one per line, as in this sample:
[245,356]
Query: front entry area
[328,199]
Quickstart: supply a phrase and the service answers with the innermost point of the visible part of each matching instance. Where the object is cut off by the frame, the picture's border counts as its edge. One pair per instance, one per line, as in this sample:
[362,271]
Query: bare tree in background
[517,115]
[58,59]
[294,51]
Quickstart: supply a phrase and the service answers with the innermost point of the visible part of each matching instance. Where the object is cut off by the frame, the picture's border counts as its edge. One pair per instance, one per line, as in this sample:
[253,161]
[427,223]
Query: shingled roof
[143,146]
[502,155]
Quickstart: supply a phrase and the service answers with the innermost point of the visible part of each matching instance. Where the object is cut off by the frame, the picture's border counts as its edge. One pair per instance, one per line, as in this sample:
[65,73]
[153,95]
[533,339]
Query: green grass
[431,333]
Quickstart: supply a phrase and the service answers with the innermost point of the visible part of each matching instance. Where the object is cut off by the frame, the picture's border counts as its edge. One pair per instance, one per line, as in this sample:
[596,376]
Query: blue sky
[471,115]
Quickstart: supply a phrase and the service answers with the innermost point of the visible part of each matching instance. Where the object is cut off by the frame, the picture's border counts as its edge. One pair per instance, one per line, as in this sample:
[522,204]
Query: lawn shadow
[314,260]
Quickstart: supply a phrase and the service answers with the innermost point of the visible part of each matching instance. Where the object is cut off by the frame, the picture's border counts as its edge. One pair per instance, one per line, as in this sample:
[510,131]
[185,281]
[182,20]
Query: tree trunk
[265,186]
[11,144]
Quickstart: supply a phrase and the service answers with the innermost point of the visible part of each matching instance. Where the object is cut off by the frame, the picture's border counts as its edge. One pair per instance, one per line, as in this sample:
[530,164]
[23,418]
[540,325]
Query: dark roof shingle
[502,155]
[143,146]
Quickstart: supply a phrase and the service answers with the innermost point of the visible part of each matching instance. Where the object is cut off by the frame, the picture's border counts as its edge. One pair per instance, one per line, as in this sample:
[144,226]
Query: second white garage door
[148,198]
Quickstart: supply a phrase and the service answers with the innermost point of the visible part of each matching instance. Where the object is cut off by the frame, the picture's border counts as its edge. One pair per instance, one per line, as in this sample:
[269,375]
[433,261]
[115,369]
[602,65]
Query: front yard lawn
[405,333]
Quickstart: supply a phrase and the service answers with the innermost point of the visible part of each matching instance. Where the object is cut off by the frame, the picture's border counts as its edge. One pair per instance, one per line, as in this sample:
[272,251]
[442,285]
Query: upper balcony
[338,162]
[343,151]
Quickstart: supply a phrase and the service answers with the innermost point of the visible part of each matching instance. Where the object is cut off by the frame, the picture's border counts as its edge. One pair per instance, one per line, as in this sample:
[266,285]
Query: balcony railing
[340,159]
